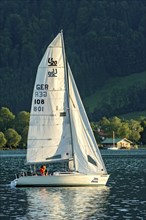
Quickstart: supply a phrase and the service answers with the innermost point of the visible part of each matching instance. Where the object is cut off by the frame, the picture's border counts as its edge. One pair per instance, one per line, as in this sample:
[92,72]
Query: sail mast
[67,80]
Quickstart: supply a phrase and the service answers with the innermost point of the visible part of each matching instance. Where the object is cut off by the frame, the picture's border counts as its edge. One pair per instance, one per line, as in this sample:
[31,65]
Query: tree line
[14,129]
[103,39]
[134,130]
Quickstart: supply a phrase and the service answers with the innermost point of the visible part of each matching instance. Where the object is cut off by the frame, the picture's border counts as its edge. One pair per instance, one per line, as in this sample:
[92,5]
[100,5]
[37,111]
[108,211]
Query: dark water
[124,197]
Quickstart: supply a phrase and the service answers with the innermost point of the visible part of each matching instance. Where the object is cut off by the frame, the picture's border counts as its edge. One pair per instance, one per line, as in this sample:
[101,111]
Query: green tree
[143,134]
[21,121]
[21,126]
[135,130]
[130,129]
[123,130]
[12,137]
[2,140]
[105,125]
[6,118]
[24,136]
[115,123]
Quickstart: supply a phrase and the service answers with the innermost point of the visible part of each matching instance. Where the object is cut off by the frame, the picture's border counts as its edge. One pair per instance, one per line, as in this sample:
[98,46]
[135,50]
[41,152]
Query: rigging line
[72,101]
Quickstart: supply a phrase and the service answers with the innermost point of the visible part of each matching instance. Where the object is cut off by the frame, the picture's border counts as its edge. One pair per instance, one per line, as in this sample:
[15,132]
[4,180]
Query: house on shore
[117,142]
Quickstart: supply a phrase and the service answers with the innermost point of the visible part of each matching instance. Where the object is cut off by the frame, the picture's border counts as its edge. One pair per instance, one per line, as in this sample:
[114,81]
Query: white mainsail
[59,128]
[49,136]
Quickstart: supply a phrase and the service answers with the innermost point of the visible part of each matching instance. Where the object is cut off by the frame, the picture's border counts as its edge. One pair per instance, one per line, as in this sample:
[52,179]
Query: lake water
[124,197]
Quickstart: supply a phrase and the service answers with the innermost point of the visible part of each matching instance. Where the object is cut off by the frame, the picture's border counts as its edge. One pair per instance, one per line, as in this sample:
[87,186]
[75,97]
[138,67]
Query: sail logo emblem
[52,73]
[52,62]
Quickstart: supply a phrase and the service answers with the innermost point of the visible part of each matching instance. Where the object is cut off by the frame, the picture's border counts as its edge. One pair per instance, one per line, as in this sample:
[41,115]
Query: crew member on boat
[43,170]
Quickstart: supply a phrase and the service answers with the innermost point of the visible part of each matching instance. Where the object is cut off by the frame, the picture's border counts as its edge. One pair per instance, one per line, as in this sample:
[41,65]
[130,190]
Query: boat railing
[23,173]
[26,173]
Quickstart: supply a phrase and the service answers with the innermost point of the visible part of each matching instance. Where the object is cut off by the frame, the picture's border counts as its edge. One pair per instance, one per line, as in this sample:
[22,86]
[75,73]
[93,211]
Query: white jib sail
[49,137]
[86,153]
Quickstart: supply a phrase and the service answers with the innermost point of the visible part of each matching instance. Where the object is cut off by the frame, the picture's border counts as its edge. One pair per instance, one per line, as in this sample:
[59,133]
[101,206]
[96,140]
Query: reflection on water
[54,203]
[65,203]
[123,198]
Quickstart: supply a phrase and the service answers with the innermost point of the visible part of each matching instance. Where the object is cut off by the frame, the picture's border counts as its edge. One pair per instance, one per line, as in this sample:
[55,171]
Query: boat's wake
[13,183]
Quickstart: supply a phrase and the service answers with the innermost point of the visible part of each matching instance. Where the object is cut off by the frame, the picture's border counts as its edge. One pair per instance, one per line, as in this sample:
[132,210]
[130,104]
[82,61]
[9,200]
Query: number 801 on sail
[38,108]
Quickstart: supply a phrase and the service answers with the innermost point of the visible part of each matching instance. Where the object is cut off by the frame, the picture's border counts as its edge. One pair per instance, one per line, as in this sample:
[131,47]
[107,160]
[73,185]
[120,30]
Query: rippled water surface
[124,197]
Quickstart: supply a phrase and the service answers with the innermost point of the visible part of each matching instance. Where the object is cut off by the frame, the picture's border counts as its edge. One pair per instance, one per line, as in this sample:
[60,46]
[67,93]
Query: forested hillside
[103,39]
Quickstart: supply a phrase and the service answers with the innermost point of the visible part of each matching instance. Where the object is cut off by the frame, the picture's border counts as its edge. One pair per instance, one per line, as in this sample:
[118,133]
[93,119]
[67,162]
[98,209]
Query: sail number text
[39,102]
[38,108]
[40,96]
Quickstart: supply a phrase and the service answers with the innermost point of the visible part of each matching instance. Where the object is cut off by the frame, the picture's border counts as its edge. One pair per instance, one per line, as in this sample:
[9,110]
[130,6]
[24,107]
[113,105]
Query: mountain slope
[118,95]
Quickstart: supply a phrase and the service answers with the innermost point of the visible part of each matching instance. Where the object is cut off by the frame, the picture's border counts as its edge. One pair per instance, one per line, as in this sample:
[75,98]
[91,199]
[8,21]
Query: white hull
[74,179]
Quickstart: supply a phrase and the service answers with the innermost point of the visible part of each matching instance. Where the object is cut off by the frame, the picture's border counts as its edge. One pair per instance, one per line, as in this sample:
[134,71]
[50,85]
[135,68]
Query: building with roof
[117,142]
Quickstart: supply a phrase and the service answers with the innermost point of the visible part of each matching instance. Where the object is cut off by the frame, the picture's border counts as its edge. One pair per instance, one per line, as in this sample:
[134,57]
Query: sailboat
[59,130]
[113,147]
